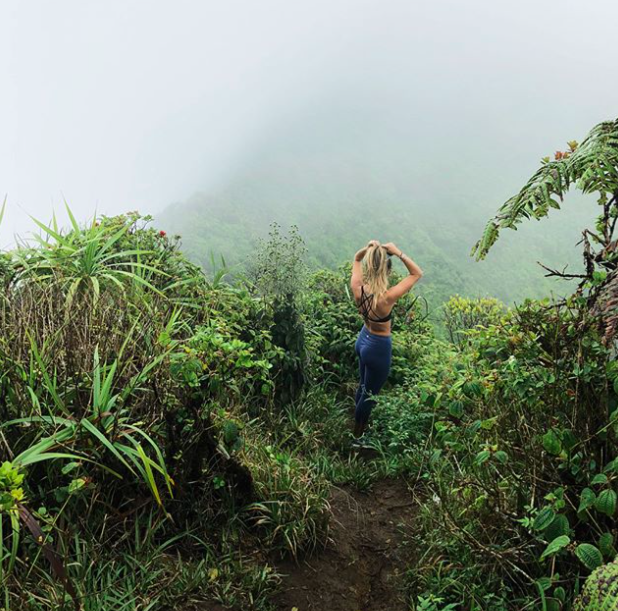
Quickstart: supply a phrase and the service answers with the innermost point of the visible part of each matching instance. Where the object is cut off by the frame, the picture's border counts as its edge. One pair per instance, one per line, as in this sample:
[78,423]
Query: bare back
[377,317]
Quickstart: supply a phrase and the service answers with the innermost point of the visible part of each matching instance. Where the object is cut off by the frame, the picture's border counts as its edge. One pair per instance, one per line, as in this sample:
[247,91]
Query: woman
[375,301]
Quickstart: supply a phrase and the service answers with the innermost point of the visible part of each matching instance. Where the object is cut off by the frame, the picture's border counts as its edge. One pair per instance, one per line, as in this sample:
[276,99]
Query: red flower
[162,233]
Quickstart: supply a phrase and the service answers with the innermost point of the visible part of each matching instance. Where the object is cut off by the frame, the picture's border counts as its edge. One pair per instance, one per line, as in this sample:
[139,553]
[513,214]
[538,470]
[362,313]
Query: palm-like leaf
[592,167]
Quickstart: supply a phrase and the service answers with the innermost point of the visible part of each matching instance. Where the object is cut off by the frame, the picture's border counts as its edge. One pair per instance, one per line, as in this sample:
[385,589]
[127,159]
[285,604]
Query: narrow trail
[361,568]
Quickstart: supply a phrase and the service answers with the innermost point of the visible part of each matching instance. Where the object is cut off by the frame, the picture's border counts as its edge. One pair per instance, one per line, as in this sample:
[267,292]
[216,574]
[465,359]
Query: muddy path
[362,567]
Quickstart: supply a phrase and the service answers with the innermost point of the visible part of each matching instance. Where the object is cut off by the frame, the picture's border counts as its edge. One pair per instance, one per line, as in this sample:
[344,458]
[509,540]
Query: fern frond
[592,167]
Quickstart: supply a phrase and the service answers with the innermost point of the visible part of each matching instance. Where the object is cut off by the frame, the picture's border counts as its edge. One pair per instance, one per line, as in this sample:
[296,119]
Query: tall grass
[132,461]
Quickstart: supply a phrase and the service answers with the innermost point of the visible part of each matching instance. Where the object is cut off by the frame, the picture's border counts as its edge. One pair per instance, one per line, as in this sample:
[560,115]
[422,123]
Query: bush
[128,383]
[521,461]
[278,274]
[462,314]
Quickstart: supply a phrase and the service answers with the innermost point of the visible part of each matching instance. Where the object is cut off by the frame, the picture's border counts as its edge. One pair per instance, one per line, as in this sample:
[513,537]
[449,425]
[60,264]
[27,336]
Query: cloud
[132,105]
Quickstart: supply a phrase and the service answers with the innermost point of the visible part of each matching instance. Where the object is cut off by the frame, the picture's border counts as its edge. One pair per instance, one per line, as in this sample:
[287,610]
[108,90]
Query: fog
[131,105]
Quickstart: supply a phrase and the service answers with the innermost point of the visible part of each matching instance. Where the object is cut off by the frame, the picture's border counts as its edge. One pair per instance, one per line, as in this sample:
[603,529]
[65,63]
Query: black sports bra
[366,309]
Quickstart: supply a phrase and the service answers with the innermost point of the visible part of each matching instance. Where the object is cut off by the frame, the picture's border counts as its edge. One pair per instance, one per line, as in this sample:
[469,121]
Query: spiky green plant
[93,322]
[84,259]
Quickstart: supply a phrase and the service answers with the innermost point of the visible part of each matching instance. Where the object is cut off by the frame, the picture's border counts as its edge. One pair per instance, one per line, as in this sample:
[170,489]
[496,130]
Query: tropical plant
[462,315]
[136,398]
[600,592]
[591,166]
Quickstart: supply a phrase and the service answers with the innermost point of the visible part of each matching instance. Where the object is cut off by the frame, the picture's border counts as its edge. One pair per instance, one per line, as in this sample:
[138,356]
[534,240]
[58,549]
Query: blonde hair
[376,267]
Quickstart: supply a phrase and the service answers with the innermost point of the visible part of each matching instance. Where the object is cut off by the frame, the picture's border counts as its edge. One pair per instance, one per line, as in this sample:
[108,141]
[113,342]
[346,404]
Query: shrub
[127,383]
[462,314]
[278,274]
[522,454]
[600,591]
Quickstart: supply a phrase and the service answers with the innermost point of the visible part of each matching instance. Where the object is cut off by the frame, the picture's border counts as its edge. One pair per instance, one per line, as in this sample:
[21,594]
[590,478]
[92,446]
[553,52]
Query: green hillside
[334,227]
[433,203]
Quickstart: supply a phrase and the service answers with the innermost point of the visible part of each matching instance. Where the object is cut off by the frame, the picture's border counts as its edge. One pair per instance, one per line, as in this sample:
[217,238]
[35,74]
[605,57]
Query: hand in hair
[391,249]
[363,251]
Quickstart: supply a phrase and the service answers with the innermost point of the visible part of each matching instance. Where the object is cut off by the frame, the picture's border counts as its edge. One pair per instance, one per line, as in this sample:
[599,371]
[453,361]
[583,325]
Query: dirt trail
[360,570]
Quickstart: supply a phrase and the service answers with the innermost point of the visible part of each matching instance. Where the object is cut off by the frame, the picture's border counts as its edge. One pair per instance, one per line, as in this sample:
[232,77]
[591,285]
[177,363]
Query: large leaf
[552,443]
[555,546]
[592,167]
[544,518]
[559,526]
[606,502]
[589,555]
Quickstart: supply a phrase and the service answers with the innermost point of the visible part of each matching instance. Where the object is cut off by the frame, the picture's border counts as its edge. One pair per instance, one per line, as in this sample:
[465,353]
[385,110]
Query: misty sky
[126,105]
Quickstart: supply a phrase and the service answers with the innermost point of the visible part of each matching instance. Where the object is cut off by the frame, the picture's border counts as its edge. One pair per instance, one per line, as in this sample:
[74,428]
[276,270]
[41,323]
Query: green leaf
[600,478]
[472,389]
[569,441]
[15,540]
[482,457]
[551,443]
[456,409]
[76,484]
[606,502]
[35,458]
[544,518]
[589,555]
[71,217]
[611,466]
[555,546]
[489,424]
[501,456]
[49,231]
[69,467]
[560,594]
[106,442]
[586,500]
[559,526]
[606,545]
[149,474]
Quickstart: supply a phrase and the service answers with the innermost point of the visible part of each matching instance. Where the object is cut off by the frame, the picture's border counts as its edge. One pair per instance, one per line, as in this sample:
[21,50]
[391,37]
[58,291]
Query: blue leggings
[374,353]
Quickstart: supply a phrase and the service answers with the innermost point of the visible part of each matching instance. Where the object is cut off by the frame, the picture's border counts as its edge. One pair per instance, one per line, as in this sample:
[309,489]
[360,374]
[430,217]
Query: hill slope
[348,177]
[335,224]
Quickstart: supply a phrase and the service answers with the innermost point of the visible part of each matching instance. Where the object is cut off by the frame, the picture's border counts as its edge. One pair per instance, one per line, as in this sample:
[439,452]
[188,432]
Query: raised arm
[415,273]
[356,282]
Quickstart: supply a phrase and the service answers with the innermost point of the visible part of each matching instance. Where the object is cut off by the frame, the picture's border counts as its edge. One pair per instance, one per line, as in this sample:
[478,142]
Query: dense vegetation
[166,436]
